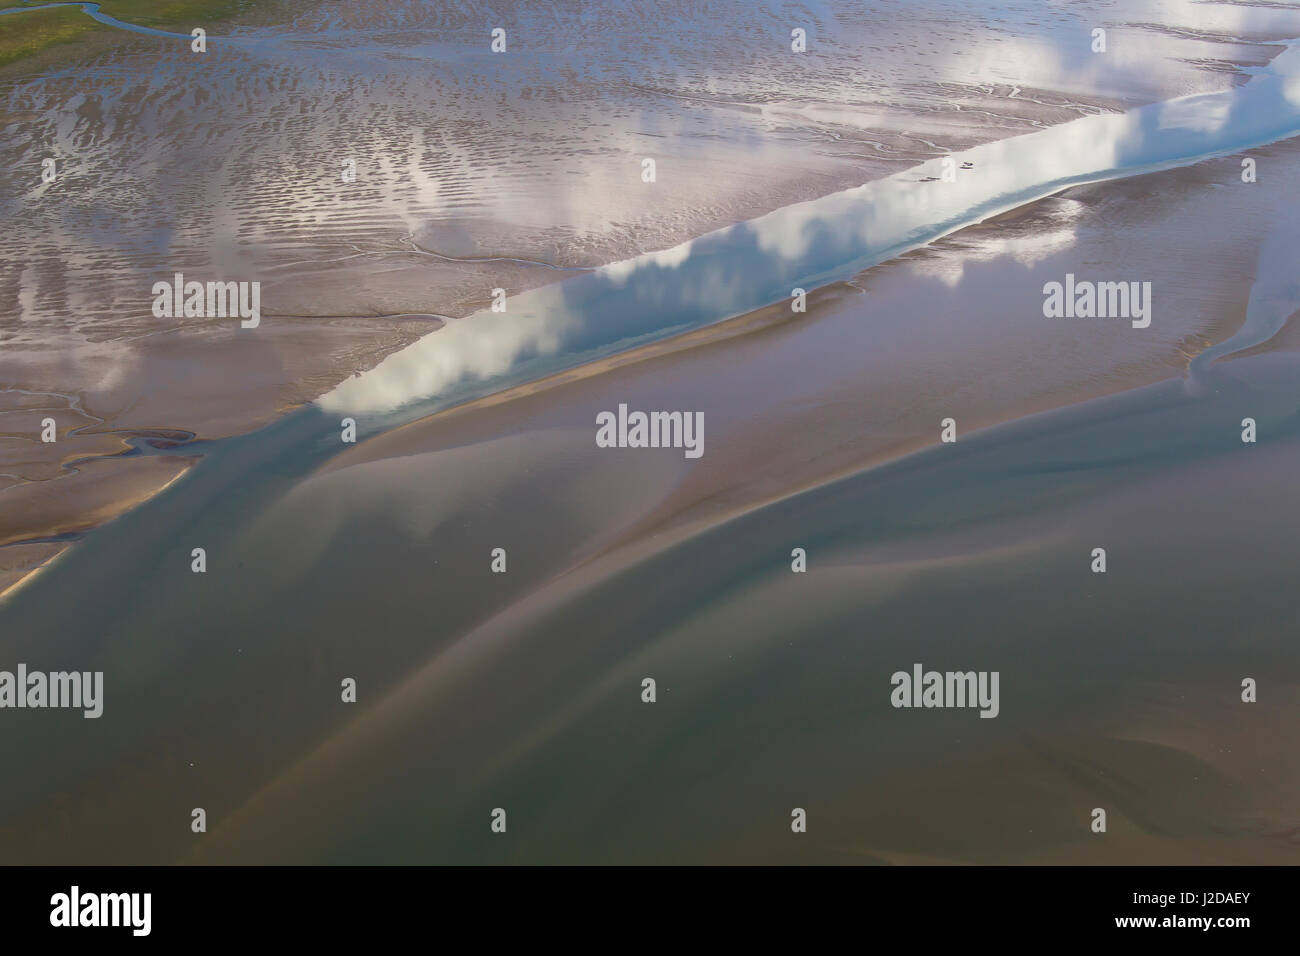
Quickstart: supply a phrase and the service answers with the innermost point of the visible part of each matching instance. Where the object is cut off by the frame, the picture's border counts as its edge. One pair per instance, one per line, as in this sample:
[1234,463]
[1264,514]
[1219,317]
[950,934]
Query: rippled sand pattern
[474,170]
[477,170]
[229,163]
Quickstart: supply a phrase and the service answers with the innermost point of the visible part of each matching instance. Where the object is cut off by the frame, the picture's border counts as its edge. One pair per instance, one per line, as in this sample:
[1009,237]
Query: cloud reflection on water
[757,263]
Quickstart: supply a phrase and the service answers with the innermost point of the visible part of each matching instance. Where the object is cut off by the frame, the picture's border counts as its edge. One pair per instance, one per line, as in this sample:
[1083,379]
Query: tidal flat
[498,586]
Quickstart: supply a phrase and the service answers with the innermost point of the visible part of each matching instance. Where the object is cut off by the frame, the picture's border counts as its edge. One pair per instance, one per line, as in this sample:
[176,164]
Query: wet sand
[522,690]
[482,690]
[1187,772]
[447,206]
[1119,691]
[91,474]
[793,400]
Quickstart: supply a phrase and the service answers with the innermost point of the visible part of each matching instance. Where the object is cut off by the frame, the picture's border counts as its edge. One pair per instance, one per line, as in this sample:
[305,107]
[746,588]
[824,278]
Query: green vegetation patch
[25,34]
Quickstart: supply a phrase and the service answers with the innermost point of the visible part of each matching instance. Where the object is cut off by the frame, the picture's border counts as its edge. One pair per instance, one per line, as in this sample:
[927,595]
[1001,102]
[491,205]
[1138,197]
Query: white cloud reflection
[747,266]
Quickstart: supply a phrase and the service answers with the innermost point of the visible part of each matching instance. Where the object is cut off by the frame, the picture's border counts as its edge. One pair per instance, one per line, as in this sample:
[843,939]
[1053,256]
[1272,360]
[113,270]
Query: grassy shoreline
[26,35]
